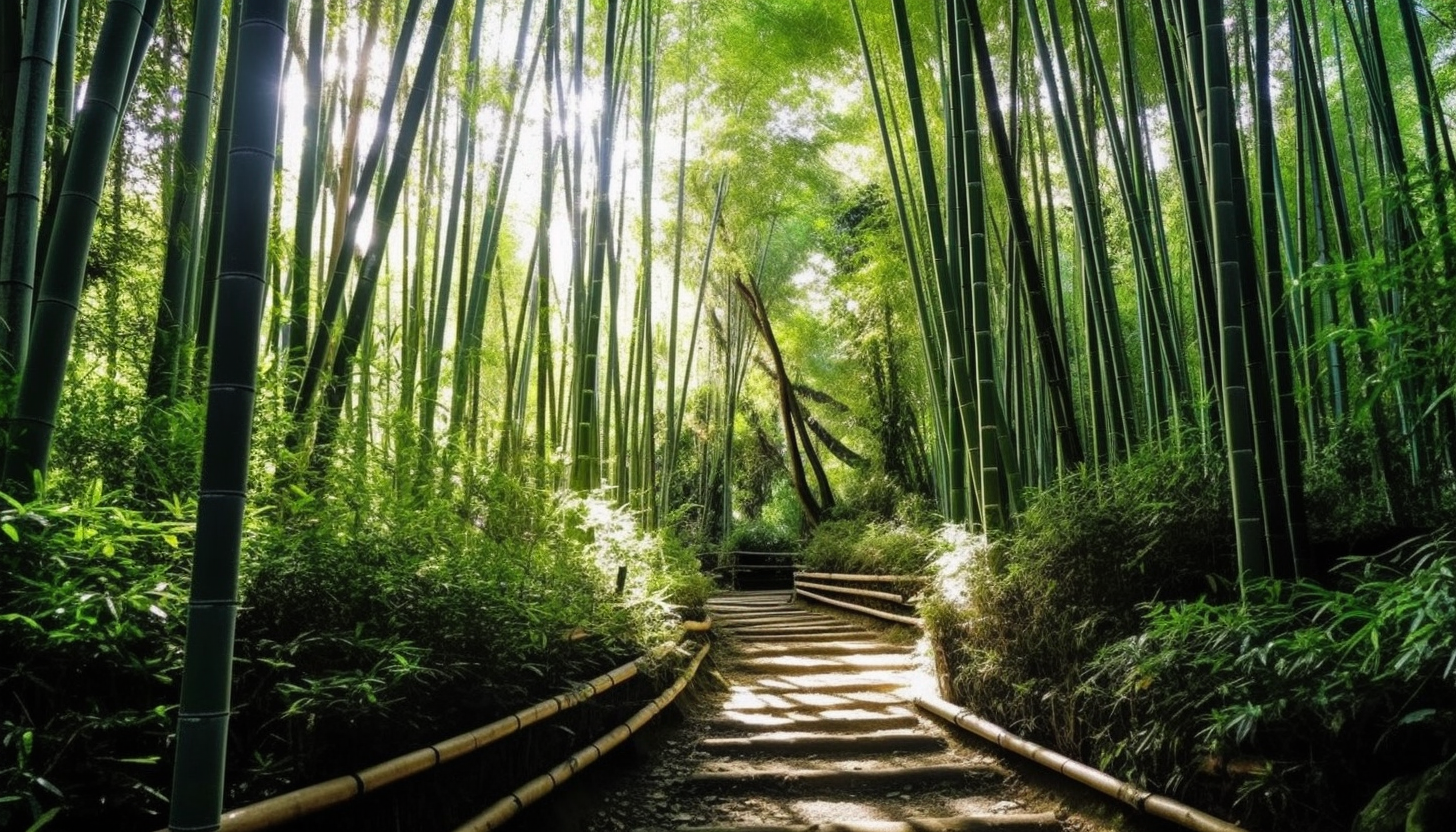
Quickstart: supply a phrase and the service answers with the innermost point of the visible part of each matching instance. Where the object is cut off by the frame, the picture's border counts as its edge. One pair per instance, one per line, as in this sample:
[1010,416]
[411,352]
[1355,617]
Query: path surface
[816,732]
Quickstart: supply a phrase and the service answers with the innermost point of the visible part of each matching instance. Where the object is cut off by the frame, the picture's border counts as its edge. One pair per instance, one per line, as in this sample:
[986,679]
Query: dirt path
[816,732]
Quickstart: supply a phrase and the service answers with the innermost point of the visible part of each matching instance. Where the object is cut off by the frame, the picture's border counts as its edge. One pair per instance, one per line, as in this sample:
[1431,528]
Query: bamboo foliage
[300,269]
[301,398]
[1176,244]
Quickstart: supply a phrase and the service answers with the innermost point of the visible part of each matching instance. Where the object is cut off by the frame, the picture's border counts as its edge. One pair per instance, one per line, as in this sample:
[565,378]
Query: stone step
[746,619]
[745,699]
[809,742]
[831,648]
[812,628]
[797,665]
[835,682]
[1041,822]
[830,636]
[842,720]
[799,782]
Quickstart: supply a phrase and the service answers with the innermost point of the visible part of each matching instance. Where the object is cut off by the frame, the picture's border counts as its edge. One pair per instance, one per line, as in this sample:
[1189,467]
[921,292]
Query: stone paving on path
[816,732]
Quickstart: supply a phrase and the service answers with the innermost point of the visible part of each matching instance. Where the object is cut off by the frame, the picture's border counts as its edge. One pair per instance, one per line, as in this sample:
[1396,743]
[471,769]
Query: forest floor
[805,719]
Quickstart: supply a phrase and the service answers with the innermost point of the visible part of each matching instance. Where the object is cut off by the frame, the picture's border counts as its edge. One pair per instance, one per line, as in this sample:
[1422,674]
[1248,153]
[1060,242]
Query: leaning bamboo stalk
[888,616]
[507,807]
[867,593]
[881,579]
[1153,804]
[299,803]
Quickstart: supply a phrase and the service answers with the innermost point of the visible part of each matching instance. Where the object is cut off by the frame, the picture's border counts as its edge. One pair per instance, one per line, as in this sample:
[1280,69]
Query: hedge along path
[818,732]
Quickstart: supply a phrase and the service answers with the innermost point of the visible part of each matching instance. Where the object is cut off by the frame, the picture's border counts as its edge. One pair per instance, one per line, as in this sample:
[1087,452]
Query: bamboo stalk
[283,808]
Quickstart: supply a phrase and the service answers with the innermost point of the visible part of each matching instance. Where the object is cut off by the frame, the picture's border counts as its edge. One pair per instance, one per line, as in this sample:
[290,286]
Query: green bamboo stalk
[586,451]
[389,195]
[206,278]
[463,149]
[183,234]
[32,424]
[1238,418]
[471,335]
[23,190]
[996,468]
[934,366]
[681,413]
[960,392]
[1290,462]
[197,784]
[300,270]
[1048,344]
[1187,152]
[672,427]
[302,397]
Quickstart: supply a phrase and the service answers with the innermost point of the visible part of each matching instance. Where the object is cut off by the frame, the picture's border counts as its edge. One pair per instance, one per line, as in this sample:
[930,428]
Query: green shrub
[363,634]
[1353,509]
[91,614]
[759,536]
[856,546]
[828,548]
[1298,699]
[1020,618]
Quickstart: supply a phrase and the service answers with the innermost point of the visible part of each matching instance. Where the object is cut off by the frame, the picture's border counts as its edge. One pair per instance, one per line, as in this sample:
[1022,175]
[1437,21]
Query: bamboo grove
[1202,226]
[644,246]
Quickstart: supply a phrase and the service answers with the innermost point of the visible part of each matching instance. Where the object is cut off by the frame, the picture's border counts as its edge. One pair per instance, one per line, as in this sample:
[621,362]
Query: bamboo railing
[296,804]
[816,590]
[533,790]
[1139,798]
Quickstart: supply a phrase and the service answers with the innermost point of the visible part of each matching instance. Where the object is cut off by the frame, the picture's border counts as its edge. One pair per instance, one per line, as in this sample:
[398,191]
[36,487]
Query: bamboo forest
[372,370]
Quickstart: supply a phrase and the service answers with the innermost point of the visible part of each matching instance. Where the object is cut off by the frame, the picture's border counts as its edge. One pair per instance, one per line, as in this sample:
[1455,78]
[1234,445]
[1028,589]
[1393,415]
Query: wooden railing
[892,601]
[752,570]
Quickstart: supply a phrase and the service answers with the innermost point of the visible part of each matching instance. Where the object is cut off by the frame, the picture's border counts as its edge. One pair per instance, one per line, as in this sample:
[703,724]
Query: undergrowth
[1108,625]
[1290,703]
[878,548]
[1018,619]
[361,635]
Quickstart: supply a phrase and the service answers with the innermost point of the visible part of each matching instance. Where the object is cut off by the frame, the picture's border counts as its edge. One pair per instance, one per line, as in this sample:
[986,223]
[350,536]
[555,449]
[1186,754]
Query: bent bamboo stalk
[849,590]
[888,616]
[869,579]
[509,806]
[1145,801]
